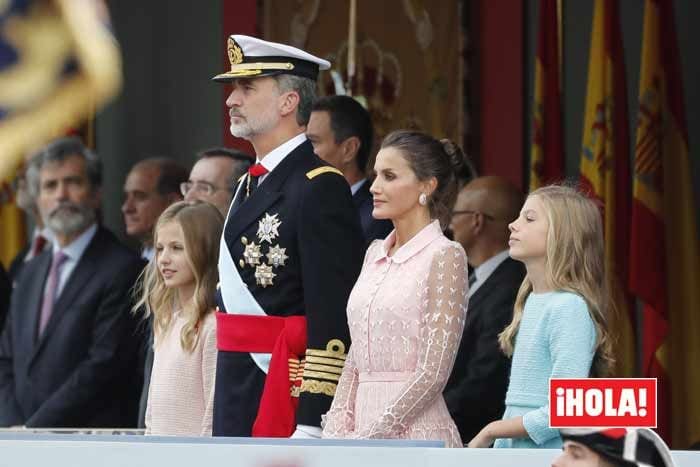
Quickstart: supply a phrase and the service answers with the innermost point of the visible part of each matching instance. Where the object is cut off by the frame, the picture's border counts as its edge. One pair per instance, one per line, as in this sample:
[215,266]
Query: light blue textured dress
[556,339]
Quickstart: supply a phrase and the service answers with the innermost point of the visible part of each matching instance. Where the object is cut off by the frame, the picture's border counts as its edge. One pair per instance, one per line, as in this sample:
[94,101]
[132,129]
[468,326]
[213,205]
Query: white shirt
[356,186]
[483,271]
[273,158]
[148,253]
[74,251]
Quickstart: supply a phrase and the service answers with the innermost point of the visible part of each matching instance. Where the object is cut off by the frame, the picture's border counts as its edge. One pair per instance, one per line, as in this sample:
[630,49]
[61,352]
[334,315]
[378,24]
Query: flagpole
[352,41]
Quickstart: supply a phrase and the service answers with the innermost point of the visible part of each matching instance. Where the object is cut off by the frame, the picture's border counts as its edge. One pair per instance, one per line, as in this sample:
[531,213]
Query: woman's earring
[423,199]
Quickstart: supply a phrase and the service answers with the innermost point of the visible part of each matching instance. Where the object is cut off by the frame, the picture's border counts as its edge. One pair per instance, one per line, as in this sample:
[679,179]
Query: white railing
[68,449]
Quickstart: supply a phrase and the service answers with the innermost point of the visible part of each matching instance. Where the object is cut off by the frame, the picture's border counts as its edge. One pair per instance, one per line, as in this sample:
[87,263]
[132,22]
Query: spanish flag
[547,152]
[12,228]
[605,170]
[59,61]
[664,261]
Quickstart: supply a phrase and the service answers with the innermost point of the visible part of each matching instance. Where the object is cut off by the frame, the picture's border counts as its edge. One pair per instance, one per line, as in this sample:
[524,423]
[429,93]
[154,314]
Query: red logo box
[602,402]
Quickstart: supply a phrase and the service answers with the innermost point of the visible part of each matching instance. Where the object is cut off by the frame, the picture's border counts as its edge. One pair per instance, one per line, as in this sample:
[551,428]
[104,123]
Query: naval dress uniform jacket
[299,233]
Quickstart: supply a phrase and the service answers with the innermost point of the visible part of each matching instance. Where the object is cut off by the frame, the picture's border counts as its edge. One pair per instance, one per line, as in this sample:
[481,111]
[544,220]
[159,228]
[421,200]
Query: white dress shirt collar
[485,269]
[148,253]
[74,251]
[77,247]
[356,186]
[273,158]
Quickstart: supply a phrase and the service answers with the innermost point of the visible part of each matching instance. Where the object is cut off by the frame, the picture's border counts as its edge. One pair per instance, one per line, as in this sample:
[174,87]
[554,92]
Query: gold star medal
[252,254]
[268,228]
[264,275]
[276,256]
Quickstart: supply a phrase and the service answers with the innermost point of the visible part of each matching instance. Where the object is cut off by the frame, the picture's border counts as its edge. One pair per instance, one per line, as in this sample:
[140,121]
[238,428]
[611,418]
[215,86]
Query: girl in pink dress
[406,312]
[177,288]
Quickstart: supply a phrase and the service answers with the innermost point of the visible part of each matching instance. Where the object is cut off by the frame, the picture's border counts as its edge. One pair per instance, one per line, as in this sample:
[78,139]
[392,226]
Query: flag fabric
[58,60]
[547,152]
[664,259]
[605,168]
[12,226]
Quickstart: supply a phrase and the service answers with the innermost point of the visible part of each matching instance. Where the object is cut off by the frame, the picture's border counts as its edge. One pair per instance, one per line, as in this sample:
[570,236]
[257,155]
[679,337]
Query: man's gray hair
[58,151]
[305,87]
[31,176]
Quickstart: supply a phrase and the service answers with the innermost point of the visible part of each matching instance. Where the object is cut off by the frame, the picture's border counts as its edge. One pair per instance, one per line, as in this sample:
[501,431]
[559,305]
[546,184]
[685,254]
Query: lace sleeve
[441,332]
[339,421]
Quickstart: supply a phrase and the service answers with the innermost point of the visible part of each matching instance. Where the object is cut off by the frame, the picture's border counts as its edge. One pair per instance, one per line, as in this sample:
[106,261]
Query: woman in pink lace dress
[406,312]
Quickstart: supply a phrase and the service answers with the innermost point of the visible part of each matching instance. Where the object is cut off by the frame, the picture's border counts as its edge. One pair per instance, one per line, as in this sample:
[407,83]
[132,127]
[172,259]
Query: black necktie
[472,279]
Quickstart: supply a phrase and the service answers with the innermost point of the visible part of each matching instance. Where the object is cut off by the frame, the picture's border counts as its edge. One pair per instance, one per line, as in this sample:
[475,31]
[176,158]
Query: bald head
[495,196]
[483,210]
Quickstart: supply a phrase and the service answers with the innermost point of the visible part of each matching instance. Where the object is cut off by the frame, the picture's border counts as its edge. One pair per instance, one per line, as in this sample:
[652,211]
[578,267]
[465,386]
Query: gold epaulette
[323,368]
[321,170]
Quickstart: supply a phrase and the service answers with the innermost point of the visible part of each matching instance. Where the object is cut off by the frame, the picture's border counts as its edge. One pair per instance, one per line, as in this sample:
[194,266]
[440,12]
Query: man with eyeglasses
[213,176]
[476,389]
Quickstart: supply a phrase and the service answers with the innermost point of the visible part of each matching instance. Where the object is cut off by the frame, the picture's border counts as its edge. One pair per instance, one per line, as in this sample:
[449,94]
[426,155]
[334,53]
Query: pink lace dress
[406,315]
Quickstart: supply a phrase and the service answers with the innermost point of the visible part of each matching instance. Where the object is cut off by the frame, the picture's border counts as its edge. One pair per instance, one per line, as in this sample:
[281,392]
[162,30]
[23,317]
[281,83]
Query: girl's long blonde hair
[574,262]
[201,225]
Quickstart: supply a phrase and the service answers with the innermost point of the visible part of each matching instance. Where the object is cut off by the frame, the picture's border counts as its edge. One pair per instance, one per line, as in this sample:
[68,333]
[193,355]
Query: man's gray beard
[241,131]
[70,219]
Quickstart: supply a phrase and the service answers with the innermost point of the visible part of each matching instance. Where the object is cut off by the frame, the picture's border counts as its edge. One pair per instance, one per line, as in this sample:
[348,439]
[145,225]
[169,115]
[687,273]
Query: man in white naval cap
[291,251]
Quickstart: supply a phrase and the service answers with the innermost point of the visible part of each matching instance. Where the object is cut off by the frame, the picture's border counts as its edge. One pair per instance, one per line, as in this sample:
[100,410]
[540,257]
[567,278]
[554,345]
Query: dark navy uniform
[297,244]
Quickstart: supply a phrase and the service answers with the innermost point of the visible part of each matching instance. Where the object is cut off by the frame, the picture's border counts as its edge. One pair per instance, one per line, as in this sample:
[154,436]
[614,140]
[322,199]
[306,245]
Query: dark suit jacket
[372,228]
[320,232]
[81,372]
[475,393]
[5,289]
[17,263]
[146,364]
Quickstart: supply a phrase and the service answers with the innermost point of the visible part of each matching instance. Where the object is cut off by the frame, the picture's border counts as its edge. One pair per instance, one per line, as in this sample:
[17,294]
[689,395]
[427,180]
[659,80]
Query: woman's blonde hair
[574,262]
[201,225]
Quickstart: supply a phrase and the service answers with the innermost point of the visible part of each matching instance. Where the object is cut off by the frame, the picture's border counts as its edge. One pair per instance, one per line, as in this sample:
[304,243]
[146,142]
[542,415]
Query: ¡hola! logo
[602,402]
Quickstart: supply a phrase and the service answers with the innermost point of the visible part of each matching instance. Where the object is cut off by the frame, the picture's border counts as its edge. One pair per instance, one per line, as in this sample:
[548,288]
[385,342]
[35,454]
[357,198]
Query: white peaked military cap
[251,57]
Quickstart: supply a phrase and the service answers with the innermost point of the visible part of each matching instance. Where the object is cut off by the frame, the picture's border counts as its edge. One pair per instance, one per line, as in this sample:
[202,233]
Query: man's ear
[478,223]
[350,147]
[289,101]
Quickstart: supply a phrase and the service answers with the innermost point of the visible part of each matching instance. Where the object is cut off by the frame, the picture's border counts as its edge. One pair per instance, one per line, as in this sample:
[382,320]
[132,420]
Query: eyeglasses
[203,188]
[467,211]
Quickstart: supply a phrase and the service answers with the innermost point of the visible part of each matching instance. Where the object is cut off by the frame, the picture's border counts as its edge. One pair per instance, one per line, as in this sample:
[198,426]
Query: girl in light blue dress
[559,327]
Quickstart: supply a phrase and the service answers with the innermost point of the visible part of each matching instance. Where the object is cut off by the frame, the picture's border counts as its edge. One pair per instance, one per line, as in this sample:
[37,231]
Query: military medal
[264,275]
[252,254]
[268,228]
[276,256]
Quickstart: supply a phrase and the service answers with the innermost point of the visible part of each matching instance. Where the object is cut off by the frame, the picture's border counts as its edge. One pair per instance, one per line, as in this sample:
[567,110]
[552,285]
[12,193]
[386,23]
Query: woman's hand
[483,439]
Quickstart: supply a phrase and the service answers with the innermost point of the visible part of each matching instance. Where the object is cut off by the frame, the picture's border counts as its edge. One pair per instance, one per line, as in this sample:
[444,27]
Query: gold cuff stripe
[324,368]
[320,375]
[318,387]
[324,353]
[326,361]
[321,170]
